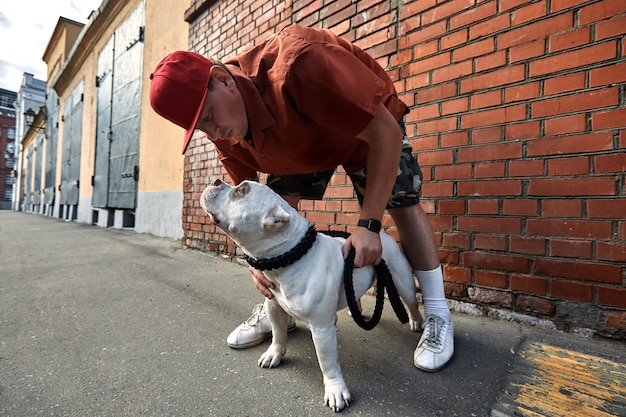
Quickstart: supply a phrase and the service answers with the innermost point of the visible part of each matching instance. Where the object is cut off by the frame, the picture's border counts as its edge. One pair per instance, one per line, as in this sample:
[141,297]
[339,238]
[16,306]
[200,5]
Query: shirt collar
[259,116]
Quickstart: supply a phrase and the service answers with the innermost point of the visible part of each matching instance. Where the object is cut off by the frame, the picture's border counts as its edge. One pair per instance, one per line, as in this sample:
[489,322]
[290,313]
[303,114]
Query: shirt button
[261,154]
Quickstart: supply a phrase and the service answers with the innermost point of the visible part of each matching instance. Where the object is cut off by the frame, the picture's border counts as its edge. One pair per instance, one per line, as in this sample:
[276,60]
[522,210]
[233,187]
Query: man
[297,106]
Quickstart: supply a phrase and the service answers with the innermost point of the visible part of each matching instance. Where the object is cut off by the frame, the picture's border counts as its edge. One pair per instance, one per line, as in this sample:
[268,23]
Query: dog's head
[247,213]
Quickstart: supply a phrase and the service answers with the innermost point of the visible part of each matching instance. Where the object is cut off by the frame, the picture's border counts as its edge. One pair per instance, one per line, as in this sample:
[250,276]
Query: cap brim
[192,129]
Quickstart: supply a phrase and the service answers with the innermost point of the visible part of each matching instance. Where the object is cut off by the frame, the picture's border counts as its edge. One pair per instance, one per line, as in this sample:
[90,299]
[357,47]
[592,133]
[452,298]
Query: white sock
[433,293]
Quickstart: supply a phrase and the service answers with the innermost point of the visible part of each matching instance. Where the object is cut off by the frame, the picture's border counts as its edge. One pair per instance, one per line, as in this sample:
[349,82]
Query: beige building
[108,159]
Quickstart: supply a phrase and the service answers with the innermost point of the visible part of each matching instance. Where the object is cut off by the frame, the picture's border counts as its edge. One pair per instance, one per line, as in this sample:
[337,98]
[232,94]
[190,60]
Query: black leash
[383,281]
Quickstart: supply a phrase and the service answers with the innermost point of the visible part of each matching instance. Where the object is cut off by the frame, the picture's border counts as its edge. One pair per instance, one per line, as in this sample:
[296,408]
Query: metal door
[116,171]
[52,139]
[72,137]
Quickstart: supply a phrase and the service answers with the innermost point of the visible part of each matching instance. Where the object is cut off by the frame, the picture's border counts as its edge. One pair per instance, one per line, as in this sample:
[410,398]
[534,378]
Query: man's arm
[384,139]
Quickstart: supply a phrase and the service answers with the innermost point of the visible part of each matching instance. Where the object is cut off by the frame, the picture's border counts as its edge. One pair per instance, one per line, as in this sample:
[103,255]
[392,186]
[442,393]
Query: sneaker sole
[258,341]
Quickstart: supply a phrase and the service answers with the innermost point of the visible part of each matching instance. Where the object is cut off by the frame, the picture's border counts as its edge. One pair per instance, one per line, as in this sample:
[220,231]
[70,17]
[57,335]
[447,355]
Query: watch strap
[372,225]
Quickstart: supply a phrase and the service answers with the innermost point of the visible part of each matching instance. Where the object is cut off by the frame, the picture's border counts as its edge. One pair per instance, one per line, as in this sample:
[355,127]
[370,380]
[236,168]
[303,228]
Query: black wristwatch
[372,225]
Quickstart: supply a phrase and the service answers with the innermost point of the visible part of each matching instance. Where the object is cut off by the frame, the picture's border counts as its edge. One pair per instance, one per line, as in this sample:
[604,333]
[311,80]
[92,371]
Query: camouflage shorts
[406,190]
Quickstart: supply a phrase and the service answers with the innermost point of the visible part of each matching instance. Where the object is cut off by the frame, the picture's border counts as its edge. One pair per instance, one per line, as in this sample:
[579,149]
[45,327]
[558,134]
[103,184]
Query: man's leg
[436,346]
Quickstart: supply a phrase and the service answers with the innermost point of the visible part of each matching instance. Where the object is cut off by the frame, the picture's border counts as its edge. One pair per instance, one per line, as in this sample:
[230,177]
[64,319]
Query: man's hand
[367,245]
[261,282]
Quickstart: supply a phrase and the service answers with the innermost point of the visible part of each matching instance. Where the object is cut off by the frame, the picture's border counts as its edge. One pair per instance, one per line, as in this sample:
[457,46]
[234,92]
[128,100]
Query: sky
[25,30]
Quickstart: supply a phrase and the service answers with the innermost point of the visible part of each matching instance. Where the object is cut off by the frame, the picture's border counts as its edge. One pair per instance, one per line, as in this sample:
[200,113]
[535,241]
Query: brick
[492,117]
[581,229]
[483,295]
[528,168]
[492,79]
[489,170]
[437,189]
[571,144]
[458,274]
[568,166]
[473,15]
[615,297]
[487,62]
[426,49]
[581,249]
[489,188]
[416,7]
[536,305]
[572,187]
[488,99]
[560,5]
[527,51]
[574,59]
[457,240]
[490,242]
[610,163]
[529,284]
[452,72]
[487,135]
[569,40]
[489,225]
[473,49]
[454,39]
[522,92]
[616,319]
[609,251]
[423,35]
[510,4]
[435,158]
[529,13]
[491,279]
[609,119]
[426,64]
[445,10]
[621,230]
[439,92]
[606,209]
[527,130]
[490,26]
[610,74]
[476,207]
[529,246]
[437,126]
[533,31]
[520,208]
[454,139]
[601,10]
[582,271]
[490,152]
[484,260]
[569,124]
[561,208]
[563,83]
[451,172]
[571,290]
[459,105]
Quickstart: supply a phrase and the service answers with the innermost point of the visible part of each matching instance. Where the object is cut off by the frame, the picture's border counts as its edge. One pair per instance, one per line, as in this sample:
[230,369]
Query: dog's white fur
[264,225]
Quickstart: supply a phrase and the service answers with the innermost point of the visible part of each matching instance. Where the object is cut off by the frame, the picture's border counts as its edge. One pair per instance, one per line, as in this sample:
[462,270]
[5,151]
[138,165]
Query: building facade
[7,147]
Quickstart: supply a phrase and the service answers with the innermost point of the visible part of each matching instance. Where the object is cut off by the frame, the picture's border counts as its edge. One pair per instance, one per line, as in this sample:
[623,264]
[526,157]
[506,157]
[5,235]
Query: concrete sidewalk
[99,322]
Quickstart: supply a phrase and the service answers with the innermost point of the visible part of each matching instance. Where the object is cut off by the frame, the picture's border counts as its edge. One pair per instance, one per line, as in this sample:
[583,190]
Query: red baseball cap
[178,87]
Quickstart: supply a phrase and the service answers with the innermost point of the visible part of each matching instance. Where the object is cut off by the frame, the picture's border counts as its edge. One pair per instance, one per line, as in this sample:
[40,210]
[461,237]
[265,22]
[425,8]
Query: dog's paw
[336,395]
[272,356]
[416,325]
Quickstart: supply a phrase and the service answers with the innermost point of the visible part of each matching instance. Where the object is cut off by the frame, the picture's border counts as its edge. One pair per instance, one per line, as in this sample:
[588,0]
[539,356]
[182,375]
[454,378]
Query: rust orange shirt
[308,93]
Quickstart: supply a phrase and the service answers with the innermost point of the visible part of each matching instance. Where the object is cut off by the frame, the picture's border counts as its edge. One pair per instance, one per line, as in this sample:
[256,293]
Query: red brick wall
[518,120]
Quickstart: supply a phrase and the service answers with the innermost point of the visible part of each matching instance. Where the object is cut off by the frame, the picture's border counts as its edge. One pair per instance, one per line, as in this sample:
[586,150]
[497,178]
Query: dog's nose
[217,182]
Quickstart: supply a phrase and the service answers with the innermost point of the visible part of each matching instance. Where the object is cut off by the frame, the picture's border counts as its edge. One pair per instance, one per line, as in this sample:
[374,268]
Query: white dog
[310,289]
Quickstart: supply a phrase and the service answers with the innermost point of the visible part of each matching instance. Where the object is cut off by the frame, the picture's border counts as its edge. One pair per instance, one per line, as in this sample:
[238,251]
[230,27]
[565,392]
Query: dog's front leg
[279,320]
[336,394]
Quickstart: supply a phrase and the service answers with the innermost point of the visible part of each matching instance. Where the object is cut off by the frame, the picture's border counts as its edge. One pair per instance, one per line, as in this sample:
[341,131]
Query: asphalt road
[100,322]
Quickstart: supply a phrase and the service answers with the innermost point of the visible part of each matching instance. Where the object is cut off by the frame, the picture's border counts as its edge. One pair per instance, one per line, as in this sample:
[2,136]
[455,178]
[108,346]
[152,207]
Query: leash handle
[348,284]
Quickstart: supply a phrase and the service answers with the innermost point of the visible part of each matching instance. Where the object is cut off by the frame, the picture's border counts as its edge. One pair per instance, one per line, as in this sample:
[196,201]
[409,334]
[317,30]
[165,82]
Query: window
[10,180]
[11,147]
[11,133]
[8,195]
[9,163]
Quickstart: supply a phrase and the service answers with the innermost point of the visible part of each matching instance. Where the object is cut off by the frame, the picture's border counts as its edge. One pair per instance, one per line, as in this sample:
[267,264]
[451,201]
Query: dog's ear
[276,219]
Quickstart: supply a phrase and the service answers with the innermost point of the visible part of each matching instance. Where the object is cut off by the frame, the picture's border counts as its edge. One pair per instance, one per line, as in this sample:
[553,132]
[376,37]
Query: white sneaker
[254,330]
[436,345]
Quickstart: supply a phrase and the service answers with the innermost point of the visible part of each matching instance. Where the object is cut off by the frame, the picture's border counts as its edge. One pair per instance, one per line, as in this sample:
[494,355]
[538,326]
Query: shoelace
[255,316]
[434,325]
